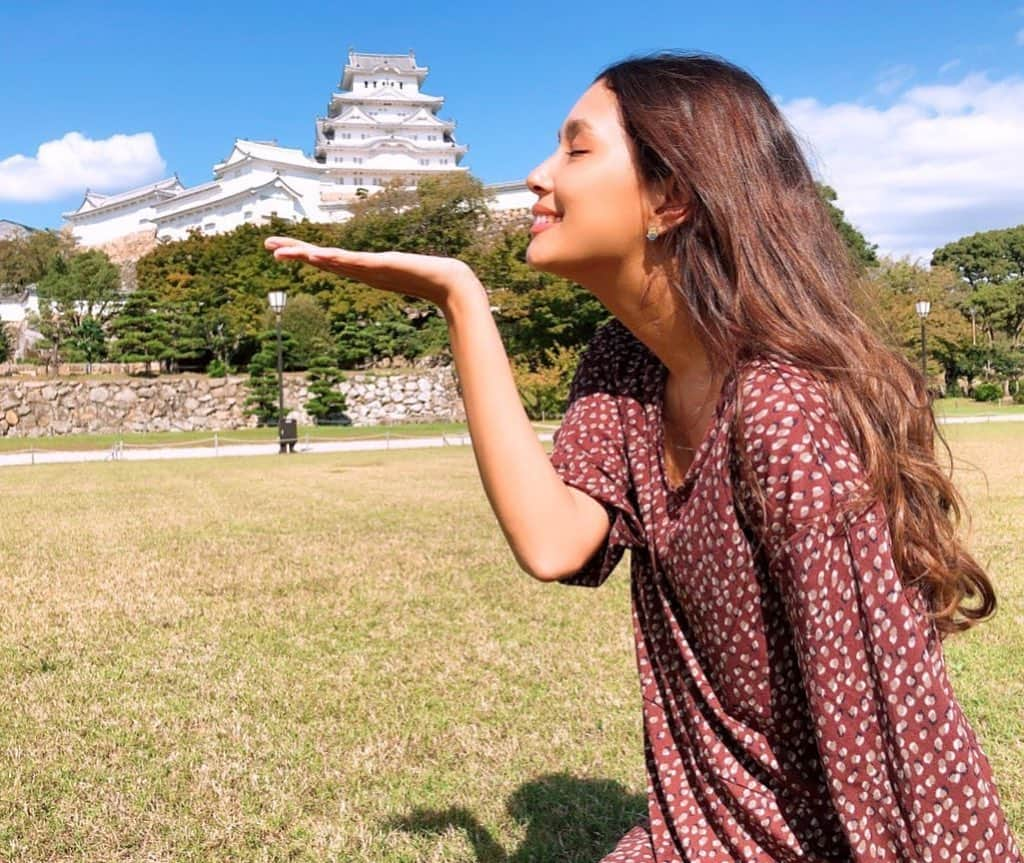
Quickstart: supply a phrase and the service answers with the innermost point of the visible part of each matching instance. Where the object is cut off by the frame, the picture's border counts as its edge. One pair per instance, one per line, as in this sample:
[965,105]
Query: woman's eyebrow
[574,127]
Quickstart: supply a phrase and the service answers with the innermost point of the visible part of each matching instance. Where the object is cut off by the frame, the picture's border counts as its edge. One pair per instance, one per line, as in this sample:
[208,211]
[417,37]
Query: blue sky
[913,111]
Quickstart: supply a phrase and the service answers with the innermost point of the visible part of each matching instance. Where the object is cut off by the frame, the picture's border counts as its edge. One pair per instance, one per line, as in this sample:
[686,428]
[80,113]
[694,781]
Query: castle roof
[385,94]
[369,63]
[264,151]
[160,190]
[10,230]
[221,192]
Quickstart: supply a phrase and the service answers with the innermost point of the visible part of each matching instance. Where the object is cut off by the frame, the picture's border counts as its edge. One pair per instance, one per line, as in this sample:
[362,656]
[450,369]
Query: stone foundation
[57,406]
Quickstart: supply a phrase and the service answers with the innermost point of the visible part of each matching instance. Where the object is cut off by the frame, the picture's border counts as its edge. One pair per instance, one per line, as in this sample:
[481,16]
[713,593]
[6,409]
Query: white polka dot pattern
[795,702]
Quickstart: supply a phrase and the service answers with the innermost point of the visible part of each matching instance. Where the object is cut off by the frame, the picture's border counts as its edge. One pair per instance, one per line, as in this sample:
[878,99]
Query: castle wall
[57,406]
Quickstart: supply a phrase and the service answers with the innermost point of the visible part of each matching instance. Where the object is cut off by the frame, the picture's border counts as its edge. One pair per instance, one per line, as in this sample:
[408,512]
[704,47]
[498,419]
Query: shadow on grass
[566,819]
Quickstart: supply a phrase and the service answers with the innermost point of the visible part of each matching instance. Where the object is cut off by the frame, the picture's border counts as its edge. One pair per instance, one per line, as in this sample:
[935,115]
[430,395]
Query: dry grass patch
[334,658]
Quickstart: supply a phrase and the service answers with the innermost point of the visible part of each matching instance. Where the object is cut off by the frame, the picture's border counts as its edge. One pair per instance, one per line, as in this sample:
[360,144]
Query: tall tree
[862,252]
[992,264]
[536,312]
[84,285]
[26,260]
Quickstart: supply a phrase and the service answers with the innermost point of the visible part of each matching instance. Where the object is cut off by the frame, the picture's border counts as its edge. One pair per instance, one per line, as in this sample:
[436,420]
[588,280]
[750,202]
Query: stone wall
[35,408]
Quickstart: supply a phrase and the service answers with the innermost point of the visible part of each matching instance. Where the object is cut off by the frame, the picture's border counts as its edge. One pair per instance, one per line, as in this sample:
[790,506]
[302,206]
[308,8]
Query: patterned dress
[795,702]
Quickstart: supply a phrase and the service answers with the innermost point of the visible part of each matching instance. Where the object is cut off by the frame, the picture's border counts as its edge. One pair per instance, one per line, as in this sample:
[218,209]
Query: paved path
[147,453]
[29,456]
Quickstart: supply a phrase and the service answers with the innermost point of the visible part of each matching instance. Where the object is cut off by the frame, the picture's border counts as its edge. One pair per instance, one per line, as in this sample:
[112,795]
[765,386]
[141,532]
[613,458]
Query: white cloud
[949,66]
[74,163]
[941,162]
[1020,37]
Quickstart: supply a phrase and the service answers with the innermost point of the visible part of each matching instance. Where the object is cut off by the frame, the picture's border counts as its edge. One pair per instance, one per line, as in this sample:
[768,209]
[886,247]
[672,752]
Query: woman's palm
[425,276]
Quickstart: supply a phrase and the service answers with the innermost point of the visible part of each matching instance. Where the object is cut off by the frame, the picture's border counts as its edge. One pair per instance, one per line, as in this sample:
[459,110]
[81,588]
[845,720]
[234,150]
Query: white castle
[379,127]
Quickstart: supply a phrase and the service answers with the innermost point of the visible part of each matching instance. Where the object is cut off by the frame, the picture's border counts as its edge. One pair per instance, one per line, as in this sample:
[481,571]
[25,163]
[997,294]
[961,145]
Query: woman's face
[592,210]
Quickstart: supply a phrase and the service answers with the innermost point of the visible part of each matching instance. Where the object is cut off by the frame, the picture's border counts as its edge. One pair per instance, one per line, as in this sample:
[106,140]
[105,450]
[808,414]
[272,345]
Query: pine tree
[262,401]
[327,402]
[6,344]
[140,333]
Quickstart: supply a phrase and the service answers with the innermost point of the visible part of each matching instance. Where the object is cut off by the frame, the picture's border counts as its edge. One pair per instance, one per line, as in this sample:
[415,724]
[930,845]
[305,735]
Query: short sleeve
[903,767]
[590,448]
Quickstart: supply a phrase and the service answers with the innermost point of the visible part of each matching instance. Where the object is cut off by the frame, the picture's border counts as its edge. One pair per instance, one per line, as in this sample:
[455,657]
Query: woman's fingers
[423,276]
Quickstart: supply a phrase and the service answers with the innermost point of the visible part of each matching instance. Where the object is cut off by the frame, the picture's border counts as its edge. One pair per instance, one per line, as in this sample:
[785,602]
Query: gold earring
[653,233]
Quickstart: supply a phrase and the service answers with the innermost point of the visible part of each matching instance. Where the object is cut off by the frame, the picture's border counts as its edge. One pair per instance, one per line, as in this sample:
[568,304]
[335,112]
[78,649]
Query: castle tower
[381,125]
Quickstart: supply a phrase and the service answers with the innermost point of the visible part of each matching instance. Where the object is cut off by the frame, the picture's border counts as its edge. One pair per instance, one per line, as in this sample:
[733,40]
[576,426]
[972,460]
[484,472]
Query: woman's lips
[543,221]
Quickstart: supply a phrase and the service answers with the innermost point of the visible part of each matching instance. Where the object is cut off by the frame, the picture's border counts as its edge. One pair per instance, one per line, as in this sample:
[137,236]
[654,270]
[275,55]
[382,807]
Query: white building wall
[108,225]
[14,310]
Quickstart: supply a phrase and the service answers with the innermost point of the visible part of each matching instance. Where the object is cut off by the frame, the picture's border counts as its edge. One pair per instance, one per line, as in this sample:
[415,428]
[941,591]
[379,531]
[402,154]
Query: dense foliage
[202,303]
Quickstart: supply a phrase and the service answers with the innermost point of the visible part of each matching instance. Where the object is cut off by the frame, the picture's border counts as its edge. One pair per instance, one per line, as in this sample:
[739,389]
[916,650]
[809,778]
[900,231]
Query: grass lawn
[969,408]
[335,658]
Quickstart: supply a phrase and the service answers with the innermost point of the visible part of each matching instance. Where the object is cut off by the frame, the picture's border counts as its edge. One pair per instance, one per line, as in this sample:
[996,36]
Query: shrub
[6,344]
[1018,397]
[987,392]
[262,401]
[545,390]
[327,402]
[217,369]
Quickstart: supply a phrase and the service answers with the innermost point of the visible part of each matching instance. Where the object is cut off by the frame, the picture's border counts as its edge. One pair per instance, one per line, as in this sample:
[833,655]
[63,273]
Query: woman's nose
[538,180]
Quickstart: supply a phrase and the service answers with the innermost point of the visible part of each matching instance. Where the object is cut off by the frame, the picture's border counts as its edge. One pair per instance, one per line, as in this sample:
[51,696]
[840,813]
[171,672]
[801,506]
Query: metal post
[923,307]
[924,353]
[280,372]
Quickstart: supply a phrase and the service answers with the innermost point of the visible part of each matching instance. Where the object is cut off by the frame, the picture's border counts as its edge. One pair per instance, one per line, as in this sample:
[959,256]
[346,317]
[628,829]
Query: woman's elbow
[547,567]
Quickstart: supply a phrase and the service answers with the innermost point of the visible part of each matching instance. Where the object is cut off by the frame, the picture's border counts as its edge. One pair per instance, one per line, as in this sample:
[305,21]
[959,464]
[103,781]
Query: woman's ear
[672,205]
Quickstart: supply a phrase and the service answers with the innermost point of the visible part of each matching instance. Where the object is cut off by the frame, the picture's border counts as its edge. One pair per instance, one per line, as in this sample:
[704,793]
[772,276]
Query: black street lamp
[277,300]
[923,307]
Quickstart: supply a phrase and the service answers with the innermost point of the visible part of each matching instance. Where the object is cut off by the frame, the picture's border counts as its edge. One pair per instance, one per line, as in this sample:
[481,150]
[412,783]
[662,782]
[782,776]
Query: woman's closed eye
[572,153]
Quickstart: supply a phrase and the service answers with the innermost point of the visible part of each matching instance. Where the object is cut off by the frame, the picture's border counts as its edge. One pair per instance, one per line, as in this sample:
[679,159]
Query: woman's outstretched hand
[552,529]
[425,276]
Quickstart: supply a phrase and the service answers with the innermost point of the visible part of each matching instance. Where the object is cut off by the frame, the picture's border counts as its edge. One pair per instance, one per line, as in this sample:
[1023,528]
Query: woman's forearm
[552,529]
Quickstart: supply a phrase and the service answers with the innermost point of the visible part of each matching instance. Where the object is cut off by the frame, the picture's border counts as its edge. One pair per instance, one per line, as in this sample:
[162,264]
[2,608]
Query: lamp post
[923,307]
[277,300]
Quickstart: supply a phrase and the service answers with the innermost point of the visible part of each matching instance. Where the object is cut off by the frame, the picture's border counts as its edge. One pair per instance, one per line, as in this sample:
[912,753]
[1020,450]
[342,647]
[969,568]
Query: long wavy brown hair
[765,275]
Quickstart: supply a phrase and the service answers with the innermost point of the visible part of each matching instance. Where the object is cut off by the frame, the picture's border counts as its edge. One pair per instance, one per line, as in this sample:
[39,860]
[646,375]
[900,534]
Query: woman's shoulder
[788,419]
[613,362]
[774,388]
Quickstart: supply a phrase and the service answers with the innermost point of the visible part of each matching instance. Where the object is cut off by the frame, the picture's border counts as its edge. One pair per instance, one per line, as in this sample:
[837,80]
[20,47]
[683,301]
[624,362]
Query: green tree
[26,260]
[992,264]
[535,312]
[84,285]
[863,253]
[88,343]
[6,344]
[895,287]
[327,402]
[304,319]
[262,401]
[139,332]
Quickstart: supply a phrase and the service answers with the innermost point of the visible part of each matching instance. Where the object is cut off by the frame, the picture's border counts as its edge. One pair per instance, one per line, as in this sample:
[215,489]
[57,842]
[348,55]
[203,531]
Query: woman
[794,564]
